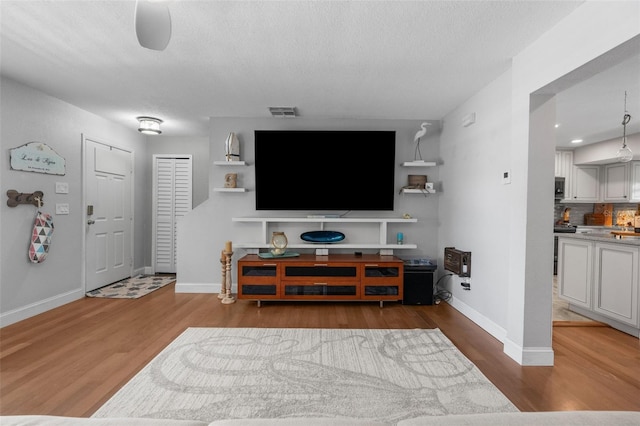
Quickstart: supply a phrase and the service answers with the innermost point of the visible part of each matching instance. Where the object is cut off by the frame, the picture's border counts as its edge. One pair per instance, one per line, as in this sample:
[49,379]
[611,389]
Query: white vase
[232,148]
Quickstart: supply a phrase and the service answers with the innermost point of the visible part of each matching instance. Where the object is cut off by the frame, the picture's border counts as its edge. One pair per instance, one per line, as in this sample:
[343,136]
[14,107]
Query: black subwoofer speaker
[418,285]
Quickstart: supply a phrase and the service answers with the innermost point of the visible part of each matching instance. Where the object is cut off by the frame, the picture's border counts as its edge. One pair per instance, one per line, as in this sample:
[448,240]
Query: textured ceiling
[330,59]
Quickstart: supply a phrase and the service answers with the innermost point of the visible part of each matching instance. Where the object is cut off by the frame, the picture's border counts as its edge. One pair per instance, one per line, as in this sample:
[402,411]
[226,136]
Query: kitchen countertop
[598,235]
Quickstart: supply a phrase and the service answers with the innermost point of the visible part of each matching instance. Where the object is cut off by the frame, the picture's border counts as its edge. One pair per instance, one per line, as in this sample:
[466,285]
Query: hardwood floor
[70,360]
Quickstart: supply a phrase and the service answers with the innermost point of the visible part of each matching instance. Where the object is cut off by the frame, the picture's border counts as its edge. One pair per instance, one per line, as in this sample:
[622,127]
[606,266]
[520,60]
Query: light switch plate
[62,208]
[62,187]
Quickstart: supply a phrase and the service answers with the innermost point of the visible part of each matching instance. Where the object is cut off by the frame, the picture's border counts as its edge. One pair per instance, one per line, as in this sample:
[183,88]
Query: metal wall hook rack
[16,198]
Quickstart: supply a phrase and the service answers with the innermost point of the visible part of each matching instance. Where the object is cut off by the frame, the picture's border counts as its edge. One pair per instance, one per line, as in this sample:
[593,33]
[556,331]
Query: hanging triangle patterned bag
[40,237]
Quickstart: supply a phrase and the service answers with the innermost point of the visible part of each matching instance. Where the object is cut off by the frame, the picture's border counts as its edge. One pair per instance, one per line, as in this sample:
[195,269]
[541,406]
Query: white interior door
[172,199]
[108,214]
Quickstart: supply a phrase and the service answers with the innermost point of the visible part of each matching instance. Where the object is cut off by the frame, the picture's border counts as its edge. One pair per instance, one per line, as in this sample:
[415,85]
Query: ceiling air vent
[283,112]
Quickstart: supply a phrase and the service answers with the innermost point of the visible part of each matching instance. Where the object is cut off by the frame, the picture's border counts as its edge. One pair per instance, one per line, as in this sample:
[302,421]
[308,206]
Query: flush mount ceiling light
[283,112]
[624,153]
[149,125]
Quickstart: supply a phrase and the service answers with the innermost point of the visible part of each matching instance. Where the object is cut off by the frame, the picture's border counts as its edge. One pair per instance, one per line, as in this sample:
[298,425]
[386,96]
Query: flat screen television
[322,171]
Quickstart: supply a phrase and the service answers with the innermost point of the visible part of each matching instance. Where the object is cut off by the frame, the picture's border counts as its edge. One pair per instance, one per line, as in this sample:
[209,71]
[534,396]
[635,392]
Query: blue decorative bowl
[326,237]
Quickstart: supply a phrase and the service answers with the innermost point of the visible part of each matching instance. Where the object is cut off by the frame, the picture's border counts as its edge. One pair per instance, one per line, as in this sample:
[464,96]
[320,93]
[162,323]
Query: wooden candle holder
[228,299]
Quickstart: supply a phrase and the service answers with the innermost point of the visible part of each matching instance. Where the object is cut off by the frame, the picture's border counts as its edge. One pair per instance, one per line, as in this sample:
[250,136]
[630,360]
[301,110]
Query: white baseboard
[524,356]
[535,357]
[40,307]
[198,287]
[489,326]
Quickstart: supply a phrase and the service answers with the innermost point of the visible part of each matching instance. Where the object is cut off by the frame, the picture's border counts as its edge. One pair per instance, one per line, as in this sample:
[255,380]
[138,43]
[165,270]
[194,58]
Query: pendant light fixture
[624,153]
[149,125]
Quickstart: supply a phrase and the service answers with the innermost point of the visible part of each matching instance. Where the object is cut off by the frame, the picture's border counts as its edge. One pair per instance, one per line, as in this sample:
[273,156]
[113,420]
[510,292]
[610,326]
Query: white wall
[475,204]
[202,234]
[28,115]
[510,297]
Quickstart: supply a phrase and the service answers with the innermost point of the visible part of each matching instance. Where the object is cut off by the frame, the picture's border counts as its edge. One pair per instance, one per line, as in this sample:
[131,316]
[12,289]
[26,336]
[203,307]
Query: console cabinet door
[337,281]
[258,280]
[616,282]
[575,271]
[383,281]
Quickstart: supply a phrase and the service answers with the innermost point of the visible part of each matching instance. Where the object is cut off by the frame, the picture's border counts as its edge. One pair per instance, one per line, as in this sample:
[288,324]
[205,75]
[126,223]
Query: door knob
[91,222]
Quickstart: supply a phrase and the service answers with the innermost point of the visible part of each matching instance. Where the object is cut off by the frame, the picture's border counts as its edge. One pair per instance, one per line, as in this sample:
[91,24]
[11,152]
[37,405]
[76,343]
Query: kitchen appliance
[559,188]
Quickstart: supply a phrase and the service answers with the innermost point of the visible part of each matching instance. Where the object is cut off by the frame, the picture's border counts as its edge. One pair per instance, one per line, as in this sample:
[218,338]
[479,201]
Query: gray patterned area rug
[133,287]
[209,374]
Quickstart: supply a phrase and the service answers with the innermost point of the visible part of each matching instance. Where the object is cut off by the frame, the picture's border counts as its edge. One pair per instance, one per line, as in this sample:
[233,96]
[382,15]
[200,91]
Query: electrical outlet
[465,282]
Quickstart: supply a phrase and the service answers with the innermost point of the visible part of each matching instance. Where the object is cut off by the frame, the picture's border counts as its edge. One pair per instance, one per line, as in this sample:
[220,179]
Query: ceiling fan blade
[153,24]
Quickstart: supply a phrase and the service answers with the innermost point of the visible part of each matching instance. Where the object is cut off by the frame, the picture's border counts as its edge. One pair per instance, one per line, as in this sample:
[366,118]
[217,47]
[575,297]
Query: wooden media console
[310,277]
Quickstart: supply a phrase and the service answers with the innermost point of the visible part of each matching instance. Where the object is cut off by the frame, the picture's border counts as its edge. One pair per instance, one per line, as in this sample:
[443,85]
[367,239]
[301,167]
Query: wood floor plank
[71,360]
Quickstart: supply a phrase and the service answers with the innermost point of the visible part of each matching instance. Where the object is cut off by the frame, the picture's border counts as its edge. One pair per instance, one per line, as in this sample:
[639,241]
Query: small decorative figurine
[230,180]
[232,148]
[278,243]
[226,283]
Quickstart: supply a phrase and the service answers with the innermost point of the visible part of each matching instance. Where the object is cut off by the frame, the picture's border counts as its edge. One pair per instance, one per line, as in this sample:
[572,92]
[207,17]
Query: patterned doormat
[134,287]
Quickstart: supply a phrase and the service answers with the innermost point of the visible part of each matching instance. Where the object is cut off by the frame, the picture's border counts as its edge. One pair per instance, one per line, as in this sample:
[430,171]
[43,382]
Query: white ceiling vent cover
[283,112]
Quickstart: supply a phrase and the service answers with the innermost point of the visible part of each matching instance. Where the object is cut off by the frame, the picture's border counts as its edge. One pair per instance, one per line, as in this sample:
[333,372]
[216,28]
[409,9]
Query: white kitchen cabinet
[564,163]
[616,182]
[616,282]
[575,271]
[586,184]
[634,181]
[564,168]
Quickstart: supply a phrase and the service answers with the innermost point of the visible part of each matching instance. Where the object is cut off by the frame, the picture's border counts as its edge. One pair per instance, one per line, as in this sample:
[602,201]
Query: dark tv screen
[324,170]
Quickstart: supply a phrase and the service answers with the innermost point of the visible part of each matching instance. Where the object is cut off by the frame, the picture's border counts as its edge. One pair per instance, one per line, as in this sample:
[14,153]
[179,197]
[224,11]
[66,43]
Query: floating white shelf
[418,191]
[326,219]
[381,245]
[230,163]
[230,189]
[330,246]
[419,164]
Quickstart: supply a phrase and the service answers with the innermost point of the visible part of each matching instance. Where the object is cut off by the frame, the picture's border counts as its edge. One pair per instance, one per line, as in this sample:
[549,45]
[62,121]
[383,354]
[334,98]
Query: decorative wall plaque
[37,157]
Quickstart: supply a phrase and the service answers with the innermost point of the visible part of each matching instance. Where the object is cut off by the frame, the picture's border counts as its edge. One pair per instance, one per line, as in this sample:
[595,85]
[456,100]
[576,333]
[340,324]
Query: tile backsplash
[621,212]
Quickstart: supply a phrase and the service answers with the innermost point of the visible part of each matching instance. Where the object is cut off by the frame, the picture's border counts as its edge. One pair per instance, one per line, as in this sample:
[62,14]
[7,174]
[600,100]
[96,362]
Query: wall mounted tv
[324,170]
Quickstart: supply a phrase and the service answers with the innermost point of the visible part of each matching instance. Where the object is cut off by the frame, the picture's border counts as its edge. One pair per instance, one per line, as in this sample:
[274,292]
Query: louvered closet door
[172,200]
